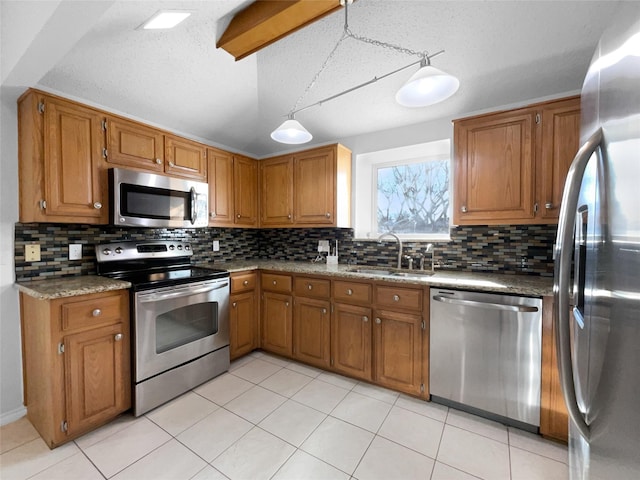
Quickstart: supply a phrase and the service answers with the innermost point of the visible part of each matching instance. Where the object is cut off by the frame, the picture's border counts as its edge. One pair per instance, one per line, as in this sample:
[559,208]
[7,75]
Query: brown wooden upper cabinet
[61,144]
[510,167]
[233,189]
[311,188]
[135,145]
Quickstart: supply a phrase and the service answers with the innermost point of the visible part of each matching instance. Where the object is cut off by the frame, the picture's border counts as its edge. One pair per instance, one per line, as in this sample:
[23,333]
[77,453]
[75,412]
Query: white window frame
[366,186]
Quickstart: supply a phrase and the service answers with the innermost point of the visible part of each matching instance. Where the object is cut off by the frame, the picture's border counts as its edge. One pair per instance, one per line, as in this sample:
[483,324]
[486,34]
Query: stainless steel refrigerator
[597,271]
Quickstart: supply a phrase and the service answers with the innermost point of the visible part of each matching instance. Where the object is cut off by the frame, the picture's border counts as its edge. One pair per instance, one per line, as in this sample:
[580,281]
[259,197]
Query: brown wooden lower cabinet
[243,322]
[311,331]
[398,351]
[77,362]
[276,323]
[554,418]
[351,341]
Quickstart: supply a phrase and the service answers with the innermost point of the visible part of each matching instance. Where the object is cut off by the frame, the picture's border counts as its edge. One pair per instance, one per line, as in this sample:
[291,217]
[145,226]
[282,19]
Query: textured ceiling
[503,52]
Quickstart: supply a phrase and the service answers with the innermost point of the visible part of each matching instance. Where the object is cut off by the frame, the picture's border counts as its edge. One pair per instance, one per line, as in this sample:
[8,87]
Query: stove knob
[179,247]
[107,251]
[171,247]
[187,247]
[118,250]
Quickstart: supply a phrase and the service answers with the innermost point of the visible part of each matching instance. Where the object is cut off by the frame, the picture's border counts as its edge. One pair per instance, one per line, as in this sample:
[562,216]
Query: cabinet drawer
[312,287]
[398,297]
[91,313]
[352,292]
[241,282]
[274,282]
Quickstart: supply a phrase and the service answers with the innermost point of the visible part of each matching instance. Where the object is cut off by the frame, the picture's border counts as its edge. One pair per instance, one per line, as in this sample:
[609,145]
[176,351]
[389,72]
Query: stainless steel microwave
[141,199]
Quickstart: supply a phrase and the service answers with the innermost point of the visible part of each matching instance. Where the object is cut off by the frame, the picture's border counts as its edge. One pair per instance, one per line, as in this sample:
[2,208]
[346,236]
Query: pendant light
[425,87]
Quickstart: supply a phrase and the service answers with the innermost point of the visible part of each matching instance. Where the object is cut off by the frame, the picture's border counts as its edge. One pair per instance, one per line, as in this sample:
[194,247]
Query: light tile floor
[269,418]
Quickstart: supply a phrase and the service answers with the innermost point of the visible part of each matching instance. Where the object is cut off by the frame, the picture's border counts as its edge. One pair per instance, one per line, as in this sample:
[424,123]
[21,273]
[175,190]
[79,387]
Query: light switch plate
[32,253]
[75,251]
[216,245]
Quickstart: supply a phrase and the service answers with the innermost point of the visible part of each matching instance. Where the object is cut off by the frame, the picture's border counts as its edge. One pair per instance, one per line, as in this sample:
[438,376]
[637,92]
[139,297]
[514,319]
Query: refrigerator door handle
[563,252]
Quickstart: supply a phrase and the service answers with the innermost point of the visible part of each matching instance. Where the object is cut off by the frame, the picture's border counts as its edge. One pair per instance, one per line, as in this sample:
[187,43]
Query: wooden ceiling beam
[266,21]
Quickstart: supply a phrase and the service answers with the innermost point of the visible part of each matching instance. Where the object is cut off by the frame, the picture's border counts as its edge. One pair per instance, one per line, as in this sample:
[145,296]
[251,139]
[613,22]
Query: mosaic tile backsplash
[521,249]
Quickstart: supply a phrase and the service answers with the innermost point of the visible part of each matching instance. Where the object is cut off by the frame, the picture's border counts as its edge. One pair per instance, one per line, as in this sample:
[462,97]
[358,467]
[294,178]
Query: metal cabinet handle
[365,319]
[463,209]
[97,205]
[118,337]
[234,304]
[328,215]
[324,311]
[212,214]
[310,287]
[548,205]
[245,283]
[171,164]
[289,216]
[159,161]
[349,291]
[378,321]
[238,216]
[286,304]
[97,312]
[274,282]
[396,298]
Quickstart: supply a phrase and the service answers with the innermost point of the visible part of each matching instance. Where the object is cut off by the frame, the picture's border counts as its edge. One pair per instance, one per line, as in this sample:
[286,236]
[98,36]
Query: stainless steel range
[179,313]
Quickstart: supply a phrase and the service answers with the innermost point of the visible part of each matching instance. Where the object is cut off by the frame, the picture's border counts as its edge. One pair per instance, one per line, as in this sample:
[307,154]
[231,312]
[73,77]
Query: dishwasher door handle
[475,303]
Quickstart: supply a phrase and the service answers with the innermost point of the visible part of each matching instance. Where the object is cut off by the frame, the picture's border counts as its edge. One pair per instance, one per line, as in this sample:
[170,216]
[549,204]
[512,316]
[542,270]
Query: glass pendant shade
[426,87]
[291,132]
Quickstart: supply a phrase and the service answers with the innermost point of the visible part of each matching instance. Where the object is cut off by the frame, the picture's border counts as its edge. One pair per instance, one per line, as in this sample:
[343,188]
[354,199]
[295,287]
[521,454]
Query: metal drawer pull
[289,216]
[378,321]
[310,287]
[171,164]
[158,161]
[396,298]
[238,216]
[212,214]
[324,311]
[286,304]
[234,304]
[349,291]
[97,312]
[365,319]
[245,283]
[328,215]
[463,209]
[496,306]
[548,205]
[274,282]
[118,337]
[97,205]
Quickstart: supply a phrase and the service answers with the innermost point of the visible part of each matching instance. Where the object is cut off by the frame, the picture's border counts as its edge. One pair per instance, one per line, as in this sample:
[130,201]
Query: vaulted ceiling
[503,52]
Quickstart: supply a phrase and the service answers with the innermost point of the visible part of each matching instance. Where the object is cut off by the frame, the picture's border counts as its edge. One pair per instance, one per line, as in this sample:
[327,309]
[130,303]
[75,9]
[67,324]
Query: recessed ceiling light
[165,19]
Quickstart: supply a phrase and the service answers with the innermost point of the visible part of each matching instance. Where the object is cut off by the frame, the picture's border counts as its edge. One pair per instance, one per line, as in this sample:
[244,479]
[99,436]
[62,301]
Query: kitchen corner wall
[504,249]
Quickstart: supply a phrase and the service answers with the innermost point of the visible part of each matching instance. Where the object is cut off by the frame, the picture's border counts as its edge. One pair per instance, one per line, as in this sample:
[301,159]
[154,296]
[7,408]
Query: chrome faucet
[389,234]
[429,249]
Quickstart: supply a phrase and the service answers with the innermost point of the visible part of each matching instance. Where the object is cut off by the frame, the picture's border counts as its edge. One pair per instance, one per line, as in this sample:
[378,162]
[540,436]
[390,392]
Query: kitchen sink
[392,273]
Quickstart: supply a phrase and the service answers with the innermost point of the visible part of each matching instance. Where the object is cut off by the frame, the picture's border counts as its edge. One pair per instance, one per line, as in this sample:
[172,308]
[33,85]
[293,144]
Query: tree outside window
[413,197]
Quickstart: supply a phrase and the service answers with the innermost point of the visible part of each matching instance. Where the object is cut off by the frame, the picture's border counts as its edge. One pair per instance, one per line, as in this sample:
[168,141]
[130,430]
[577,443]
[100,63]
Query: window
[408,192]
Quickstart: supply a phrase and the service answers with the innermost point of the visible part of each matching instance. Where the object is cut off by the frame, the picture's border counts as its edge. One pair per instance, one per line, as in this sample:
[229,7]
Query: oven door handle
[183,292]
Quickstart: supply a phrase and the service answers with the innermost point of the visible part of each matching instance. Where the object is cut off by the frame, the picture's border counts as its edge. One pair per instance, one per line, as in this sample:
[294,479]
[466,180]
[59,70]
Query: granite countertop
[487,282]
[59,287]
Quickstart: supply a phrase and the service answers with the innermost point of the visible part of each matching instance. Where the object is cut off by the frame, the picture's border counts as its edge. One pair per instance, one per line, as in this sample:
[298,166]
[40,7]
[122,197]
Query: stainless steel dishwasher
[485,354]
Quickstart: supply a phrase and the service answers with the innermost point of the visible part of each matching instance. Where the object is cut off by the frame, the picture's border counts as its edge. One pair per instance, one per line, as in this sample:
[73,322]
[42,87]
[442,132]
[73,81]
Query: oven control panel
[132,250]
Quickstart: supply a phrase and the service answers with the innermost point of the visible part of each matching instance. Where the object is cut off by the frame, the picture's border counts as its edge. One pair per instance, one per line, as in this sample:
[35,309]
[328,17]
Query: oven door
[174,325]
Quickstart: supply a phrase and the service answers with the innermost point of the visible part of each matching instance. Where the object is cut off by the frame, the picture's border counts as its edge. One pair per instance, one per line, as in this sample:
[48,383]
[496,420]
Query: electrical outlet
[216,245]
[32,253]
[323,246]
[75,251]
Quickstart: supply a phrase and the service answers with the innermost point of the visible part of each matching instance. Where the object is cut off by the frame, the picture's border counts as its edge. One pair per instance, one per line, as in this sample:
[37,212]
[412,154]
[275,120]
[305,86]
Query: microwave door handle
[565,236]
[184,292]
[194,213]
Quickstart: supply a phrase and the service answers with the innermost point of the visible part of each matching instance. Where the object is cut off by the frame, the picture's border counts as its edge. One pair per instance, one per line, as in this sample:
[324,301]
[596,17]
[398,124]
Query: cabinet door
[494,161]
[185,159]
[398,351]
[276,323]
[96,376]
[314,186]
[74,182]
[311,330]
[351,340]
[276,182]
[220,174]
[560,143]
[132,144]
[245,185]
[243,320]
